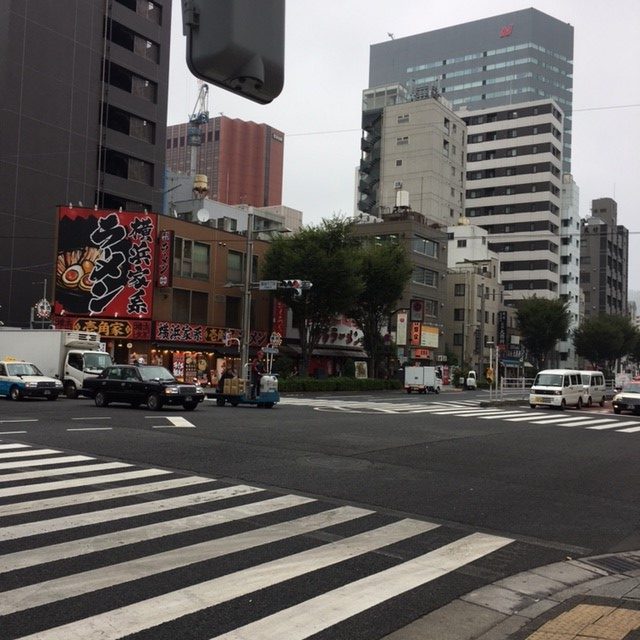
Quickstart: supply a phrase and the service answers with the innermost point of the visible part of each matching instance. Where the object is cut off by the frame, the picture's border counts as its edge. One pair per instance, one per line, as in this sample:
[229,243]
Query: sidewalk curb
[514,607]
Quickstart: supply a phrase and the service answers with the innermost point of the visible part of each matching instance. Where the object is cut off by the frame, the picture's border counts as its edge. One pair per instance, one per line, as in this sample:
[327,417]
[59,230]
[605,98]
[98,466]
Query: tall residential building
[83,109]
[514,182]
[242,160]
[604,256]
[414,150]
[519,56]
[570,266]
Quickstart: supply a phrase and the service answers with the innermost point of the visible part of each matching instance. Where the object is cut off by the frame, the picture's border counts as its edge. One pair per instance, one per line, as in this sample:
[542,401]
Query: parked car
[627,399]
[142,384]
[20,379]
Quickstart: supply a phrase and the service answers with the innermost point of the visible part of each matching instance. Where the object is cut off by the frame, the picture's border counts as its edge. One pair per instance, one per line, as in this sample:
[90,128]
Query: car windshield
[98,360]
[155,373]
[23,369]
[548,380]
[631,388]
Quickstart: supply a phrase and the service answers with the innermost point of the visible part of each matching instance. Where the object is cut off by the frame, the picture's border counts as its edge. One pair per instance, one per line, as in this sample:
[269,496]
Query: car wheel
[533,406]
[190,406]
[589,401]
[408,390]
[437,390]
[15,393]
[154,402]
[617,410]
[101,399]
[563,405]
[53,397]
[70,391]
[220,402]
[579,403]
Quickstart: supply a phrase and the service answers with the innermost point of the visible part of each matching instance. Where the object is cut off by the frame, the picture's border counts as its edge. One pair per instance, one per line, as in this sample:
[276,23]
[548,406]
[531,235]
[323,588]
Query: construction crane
[199,117]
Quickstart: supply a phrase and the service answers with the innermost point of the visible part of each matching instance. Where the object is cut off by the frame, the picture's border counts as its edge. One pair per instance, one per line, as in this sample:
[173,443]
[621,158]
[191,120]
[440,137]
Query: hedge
[336,384]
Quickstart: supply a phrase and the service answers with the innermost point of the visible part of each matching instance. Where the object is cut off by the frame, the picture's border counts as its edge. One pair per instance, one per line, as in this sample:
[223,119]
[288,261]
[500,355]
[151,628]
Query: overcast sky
[327,67]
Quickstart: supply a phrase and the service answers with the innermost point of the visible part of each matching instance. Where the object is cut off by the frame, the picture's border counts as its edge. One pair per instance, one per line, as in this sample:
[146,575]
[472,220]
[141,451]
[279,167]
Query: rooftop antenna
[390,35]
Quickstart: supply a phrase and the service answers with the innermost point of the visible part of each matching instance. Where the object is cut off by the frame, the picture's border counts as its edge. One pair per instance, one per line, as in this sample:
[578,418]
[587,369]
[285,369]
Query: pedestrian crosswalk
[93,552]
[473,409]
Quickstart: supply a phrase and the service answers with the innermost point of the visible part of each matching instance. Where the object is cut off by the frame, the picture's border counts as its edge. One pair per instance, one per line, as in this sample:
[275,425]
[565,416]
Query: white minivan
[557,388]
[595,387]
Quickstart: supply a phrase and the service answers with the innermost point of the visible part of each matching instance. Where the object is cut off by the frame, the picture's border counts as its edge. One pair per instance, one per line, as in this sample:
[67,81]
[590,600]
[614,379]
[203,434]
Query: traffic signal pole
[246,305]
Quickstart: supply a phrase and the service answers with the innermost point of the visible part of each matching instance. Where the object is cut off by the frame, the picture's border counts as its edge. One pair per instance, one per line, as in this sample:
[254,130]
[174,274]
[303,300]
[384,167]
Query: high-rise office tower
[514,57]
[83,102]
[242,160]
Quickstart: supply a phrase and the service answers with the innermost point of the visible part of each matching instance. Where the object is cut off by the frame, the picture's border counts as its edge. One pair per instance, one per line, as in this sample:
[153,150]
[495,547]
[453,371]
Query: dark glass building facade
[83,102]
[515,57]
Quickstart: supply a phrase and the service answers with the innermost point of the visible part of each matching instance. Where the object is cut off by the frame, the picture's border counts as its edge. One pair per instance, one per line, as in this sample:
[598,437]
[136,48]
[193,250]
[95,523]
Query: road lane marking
[176,421]
[117,513]
[615,426]
[317,614]
[31,506]
[90,429]
[10,433]
[120,538]
[87,581]
[43,462]
[18,420]
[151,612]
[94,418]
[79,482]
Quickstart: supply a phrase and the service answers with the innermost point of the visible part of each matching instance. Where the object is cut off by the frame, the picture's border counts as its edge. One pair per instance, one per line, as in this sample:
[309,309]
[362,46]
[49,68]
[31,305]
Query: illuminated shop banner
[129,329]
[105,263]
[165,258]
[200,334]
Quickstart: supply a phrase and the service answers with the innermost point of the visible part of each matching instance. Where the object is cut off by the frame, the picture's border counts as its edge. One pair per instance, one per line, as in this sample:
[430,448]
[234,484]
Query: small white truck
[422,379]
[69,356]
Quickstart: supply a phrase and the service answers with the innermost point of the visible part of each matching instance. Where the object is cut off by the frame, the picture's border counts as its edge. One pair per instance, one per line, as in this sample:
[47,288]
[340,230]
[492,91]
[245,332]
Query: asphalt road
[517,488]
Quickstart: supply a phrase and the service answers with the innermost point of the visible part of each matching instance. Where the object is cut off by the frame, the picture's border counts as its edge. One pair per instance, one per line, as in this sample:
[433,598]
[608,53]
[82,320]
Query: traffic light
[237,45]
[296,285]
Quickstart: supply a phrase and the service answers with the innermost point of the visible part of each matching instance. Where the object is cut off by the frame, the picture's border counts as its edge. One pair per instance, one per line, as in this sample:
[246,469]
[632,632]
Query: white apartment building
[514,182]
[570,265]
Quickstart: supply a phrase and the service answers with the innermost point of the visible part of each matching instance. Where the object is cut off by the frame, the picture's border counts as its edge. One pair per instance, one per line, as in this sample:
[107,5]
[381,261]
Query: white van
[471,382]
[557,388]
[594,387]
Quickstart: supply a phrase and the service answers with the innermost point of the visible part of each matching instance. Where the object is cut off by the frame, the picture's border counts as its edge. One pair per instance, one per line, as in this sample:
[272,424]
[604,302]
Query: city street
[341,516]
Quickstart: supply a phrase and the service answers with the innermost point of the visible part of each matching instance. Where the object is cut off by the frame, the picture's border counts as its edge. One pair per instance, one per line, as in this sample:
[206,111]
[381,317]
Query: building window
[128,81]
[457,339]
[403,140]
[403,119]
[458,289]
[234,267]
[425,277]
[145,8]
[123,166]
[445,147]
[190,306]
[398,163]
[458,315]
[191,259]
[128,39]
[462,243]
[124,122]
[425,246]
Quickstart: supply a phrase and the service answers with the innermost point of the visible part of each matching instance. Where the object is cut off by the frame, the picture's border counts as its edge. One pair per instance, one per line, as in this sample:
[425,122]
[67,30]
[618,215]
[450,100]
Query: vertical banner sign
[415,334]
[106,263]
[401,329]
[279,324]
[502,328]
[417,310]
[165,258]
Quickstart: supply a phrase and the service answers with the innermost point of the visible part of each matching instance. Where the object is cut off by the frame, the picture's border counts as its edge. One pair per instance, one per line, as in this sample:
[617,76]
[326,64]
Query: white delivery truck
[422,379]
[69,356]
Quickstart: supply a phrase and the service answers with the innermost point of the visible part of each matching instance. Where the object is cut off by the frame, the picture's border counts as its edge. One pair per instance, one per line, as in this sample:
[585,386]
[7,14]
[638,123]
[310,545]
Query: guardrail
[518,389]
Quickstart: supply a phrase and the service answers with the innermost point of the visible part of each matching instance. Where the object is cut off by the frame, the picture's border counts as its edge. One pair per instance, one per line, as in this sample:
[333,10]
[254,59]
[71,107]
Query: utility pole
[246,305]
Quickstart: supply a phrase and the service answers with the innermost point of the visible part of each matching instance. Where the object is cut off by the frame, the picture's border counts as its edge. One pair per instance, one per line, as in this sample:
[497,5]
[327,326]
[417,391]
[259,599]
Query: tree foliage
[326,255]
[384,271]
[542,323]
[604,339]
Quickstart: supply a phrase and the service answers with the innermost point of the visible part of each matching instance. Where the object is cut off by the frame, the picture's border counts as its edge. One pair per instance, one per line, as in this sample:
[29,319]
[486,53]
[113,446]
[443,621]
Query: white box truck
[422,379]
[70,356]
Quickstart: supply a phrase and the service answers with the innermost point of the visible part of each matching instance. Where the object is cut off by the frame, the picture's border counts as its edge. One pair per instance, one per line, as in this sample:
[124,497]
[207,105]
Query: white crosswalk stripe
[175,547]
[469,409]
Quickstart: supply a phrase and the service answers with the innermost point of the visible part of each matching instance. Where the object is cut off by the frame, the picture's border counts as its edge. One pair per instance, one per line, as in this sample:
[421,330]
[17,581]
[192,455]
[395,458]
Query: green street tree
[385,271]
[604,339]
[326,255]
[542,323]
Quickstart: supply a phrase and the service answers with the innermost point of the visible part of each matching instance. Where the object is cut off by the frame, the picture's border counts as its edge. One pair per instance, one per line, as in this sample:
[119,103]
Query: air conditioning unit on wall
[397,184]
